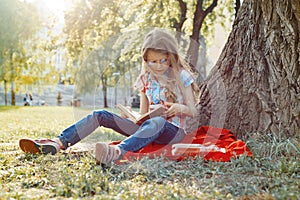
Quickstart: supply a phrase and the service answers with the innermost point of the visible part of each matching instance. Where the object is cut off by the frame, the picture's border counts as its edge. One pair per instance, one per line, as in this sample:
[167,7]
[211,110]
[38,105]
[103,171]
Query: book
[198,149]
[158,110]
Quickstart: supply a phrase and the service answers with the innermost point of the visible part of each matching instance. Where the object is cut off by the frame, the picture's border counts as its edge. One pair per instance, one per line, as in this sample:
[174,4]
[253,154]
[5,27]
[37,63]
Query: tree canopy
[89,25]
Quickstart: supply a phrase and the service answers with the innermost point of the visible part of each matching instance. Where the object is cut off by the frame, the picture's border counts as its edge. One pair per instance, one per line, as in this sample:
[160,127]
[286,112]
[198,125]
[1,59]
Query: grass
[272,173]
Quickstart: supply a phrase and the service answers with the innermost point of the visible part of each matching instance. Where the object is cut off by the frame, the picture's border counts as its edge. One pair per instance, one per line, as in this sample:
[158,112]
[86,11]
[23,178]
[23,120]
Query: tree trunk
[104,90]
[237,7]
[255,85]
[199,16]
[13,99]
[5,91]
[202,61]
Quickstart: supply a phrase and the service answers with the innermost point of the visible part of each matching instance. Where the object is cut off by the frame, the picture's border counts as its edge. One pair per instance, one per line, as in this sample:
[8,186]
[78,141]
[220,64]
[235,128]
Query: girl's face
[158,62]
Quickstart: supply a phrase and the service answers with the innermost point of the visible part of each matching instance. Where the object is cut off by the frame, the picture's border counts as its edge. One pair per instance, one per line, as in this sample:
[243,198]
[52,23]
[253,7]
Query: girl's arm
[144,103]
[188,108]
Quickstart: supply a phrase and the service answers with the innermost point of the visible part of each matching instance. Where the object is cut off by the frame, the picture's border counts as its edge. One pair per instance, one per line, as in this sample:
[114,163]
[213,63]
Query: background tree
[89,24]
[255,85]
[200,13]
[18,22]
[187,18]
[87,37]
[96,71]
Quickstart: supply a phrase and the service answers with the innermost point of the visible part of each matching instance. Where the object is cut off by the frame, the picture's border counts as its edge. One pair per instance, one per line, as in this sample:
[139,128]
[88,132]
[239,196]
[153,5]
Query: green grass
[272,173]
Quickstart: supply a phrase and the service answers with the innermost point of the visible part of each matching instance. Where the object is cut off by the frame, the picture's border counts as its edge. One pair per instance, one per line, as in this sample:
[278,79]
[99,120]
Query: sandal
[43,146]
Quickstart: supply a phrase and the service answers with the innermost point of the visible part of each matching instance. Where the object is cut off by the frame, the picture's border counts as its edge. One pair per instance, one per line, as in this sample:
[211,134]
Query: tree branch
[211,7]
[183,9]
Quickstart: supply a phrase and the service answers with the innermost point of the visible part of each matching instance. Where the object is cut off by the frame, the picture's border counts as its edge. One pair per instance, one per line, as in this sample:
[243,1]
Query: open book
[137,118]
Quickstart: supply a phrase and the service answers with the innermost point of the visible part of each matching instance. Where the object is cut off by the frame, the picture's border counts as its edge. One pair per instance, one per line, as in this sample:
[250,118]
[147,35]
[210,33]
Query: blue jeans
[156,129]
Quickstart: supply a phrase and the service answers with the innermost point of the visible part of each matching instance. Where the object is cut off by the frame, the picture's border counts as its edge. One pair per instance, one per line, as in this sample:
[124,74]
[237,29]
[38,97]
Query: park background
[43,67]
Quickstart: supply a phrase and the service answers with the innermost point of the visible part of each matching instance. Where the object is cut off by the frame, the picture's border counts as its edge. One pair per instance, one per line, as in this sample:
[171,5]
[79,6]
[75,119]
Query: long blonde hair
[160,41]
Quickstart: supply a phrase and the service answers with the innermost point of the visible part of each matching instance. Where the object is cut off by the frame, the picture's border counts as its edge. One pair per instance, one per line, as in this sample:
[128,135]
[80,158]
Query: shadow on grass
[6,108]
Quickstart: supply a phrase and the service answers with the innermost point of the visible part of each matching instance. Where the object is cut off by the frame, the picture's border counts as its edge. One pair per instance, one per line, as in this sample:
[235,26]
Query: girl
[163,80]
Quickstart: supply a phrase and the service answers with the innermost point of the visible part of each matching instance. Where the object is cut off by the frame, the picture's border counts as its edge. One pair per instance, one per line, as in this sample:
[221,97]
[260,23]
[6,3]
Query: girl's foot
[105,154]
[43,146]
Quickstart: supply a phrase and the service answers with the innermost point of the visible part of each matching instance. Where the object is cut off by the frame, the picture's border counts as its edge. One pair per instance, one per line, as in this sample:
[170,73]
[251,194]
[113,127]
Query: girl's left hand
[175,109]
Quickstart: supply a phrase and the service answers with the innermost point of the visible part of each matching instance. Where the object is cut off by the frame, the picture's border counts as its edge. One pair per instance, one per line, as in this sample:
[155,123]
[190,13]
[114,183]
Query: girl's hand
[175,109]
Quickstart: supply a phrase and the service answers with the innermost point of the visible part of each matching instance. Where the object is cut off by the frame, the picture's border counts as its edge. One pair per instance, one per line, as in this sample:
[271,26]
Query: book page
[137,117]
[158,111]
[128,113]
[136,114]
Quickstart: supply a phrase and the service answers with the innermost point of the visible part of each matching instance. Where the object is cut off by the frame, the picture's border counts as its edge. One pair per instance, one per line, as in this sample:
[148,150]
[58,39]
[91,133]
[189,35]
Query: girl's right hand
[175,109]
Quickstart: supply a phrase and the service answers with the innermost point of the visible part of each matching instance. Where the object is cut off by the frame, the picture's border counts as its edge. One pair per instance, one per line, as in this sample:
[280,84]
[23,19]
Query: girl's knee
[99,114]
[159,121]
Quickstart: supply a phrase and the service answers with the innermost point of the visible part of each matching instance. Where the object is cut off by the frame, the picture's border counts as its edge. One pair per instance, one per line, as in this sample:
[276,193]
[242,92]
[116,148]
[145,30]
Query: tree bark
[237,7]
[255,85]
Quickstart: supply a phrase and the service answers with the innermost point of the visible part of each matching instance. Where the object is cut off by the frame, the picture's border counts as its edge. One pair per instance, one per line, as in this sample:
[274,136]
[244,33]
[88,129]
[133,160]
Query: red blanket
[205,135]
